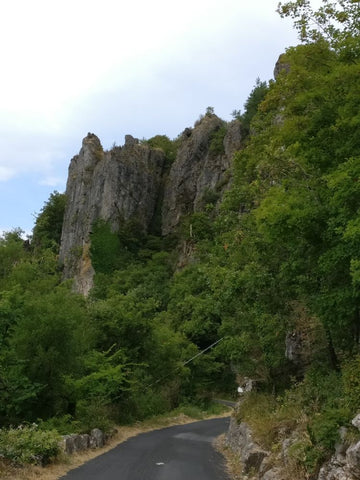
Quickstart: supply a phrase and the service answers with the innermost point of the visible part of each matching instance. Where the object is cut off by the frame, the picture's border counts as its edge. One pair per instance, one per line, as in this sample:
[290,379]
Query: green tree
[12,251]
[337,22]
[169,147]
[49,339]
[48,224]
[252,103]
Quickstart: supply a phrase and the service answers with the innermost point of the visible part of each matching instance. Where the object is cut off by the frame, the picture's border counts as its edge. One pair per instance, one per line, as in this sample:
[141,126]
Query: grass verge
[232,461]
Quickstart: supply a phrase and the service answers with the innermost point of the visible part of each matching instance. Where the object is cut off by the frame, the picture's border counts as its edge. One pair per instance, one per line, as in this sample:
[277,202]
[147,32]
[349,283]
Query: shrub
[268,417]
[324,427]
[143,405]
[64,424]
[28,444]
[351,383]
[95,414]
[169,147]
[217,141]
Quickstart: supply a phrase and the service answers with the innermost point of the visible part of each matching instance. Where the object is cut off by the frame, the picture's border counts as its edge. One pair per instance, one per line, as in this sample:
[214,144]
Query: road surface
[183,452]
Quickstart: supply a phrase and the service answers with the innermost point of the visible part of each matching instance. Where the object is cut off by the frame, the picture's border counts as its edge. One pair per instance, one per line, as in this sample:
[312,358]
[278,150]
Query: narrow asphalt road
[184,452]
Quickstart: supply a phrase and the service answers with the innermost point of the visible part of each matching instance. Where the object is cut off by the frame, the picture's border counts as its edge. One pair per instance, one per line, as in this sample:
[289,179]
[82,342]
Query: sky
[113,68]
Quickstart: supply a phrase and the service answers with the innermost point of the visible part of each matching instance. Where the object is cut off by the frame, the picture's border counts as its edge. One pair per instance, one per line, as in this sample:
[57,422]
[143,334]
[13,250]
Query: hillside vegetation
[279,262]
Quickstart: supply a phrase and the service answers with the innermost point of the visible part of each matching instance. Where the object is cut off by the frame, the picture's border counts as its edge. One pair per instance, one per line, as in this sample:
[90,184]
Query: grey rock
[114,186]
[353,459]
[130,141]
[75,443]
[195,171]
[334,470]
[281,66]
[187,132]
[342,467]
[233,138]
[274,474]
[131,183]
[341,446]
[97,438]
[249,384]
[294,347]
[82,442]
[356,421]
[68,443]
[239,439]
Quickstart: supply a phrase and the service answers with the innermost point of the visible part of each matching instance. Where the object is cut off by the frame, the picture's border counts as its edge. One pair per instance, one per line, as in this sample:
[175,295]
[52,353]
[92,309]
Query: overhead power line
[187,361]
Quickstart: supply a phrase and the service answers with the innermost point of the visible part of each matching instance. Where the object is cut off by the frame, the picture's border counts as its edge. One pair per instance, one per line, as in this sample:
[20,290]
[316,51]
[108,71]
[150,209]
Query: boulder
[68,443]
[75,443]
[353,459]
[356,421]
[97,438]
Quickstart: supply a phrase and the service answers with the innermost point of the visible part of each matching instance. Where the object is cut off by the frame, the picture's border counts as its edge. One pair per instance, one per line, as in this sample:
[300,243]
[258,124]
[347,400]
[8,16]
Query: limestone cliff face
[198,170]
[128,182]
[118,185]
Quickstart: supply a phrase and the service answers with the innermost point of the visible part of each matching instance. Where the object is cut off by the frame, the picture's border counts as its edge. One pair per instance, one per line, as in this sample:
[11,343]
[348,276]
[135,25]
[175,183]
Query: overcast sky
[112,67]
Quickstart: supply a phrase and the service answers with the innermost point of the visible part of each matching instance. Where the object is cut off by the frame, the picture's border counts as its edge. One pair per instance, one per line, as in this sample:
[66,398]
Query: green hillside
[275,270]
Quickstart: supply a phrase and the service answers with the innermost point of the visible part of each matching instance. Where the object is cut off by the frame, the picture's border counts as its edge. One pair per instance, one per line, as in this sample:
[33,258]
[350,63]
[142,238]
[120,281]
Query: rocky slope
[128,183]
[257,463]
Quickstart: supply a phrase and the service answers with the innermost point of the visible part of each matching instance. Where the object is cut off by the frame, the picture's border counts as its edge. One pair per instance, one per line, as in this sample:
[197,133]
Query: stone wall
[77,443]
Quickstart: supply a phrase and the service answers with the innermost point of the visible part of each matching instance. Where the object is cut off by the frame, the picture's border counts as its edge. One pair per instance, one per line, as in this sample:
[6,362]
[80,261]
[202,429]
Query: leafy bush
[95,414]
[198,227]
[324,427]
[28,444]
[351,382]
[48,225]
[217,141]
[64,424]
[144,405]
[169,147]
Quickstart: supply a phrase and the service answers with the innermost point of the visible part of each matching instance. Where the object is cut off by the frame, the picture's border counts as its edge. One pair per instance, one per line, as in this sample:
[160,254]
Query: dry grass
[65,463]
[232,461]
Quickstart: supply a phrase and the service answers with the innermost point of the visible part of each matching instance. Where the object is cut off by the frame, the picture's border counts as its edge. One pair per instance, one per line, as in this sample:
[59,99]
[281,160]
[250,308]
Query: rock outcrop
[240,439]
[198,170]
[129,182]
[282,65]
[114,186]
[345,463]
[265,465]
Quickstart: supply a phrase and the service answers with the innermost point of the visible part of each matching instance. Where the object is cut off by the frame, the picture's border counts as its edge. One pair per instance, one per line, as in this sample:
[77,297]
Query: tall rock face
[132,183]
[199,169]
[114,186]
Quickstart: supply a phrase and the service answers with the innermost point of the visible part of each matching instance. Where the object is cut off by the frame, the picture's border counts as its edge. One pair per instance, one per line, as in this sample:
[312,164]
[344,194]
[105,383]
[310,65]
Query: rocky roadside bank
[257,463]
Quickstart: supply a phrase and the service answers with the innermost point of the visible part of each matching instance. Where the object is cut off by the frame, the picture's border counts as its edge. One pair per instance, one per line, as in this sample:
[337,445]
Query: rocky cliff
[113,186]
[198,169]
[129,182]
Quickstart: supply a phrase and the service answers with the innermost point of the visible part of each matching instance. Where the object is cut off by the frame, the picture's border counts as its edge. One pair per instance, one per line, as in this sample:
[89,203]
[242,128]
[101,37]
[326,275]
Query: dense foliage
[279,259]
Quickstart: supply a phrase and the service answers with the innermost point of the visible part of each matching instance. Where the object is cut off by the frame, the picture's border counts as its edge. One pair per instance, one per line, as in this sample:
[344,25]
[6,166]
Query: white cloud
[59,50]
[6,173]
[116,67]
